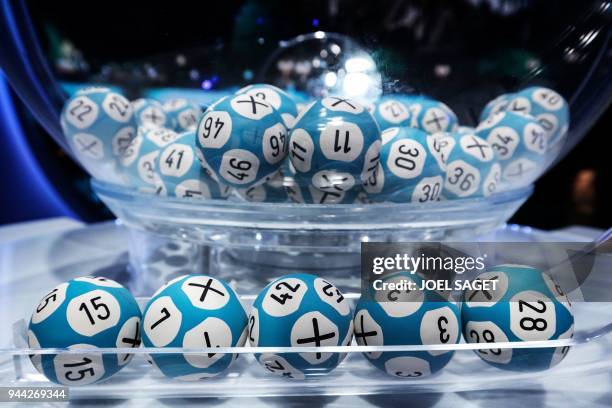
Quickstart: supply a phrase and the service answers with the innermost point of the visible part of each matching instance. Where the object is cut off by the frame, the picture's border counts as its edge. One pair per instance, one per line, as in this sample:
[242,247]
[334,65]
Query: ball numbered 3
[525,305]
[194,311]
[99,125]
[279,99]
[334,145]
[300,310]
[408,170]
[404,317]
[84,313]
[242,140]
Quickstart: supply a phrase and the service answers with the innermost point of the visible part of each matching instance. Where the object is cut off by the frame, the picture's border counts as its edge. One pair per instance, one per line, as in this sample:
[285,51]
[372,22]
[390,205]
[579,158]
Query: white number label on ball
[99,281]
[532,316]
[188,119]
[152,115]
[205,292]
[477,148]
[265,94]
[122,140]
[440,145]
[488,295]
[255,194]
[131,152]
[427,190]
[313,329]
[251,107]
[176,160]
[439,326]
[548,99]
[371,160]
[488,332]
[406,158]
[504,140]
[557,291]
[161,137]
[174,104]
[388,134]
[35,358]
[284,297]
[435,120]
[146,167]
[332,296]
[88,146]
[325,197]
[215,129]
[341,140]
[519,170]
[519,105]
[93,312]
[117,107]
[253,327]
[162,321]
[535,138]
[192,188]
[49,303]
[79,369]
[275,143]
[462,178]
[368,333]
[288,120]
[81,112]
[561,352]
[376,181]
[393,111]
[407,367]
[239,166]
[549,123]
[491,121]
[211,333]
[333,181]
[400,303]
[294,192]
[492,180]
[129,337]
[301,149]
[338,104]
[277,365]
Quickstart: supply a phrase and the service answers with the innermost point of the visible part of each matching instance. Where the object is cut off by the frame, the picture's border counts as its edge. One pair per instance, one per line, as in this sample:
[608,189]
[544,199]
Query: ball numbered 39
[194,311]
[525,305]
[300,310]
[84,313]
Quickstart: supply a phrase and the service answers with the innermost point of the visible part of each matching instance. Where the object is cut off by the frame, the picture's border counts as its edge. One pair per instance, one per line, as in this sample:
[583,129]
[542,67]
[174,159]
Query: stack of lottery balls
[258,144]
[201,312]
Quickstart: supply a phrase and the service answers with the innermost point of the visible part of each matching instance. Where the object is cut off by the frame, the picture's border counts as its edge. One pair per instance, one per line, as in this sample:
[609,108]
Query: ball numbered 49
[526,305]
[300,310]
[84,313]
[194,311]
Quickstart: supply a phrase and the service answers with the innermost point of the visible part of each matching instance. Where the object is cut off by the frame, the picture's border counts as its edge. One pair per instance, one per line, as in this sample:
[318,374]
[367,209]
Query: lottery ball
[140,161]
[497,105]
[242,140]
[182,114]
[194,311]
[279,99]
[526,305]
[465,130]
[300,310]
[396,318]
[272,191]
[149,113]
[182,175]
[84,313]
[548,107]
[98,125]
[334,145]
[472,169]
[432,116]
[519,143]
[390,112]
[408,170]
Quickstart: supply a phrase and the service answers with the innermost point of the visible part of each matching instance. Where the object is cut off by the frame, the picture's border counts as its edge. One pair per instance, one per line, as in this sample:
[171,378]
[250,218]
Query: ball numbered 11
[84,313]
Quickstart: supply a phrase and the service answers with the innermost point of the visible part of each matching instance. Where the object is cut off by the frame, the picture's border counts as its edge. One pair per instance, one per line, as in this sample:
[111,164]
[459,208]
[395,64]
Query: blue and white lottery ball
[519,143]
[494,106]
[279,99]
[472,169]
[334,145]
[548,107]
[242,140]
[182,114]
[84,313]
[182,174]
[149,113]
[308,194]
[526,305]
[408,170]
[432,116]
[300,310]
[390,112]
[98,125]
[396,318]
[194,311]
[140,160]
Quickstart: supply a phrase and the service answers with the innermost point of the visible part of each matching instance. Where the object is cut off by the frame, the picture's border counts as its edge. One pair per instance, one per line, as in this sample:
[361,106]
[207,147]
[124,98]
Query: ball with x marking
[149,113]
[279,99]
[194,312]
[300,310]
[84,313]
[431,116]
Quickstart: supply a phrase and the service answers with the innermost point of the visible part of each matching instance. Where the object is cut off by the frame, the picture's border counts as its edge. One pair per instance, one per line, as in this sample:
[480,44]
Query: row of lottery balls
[297,310]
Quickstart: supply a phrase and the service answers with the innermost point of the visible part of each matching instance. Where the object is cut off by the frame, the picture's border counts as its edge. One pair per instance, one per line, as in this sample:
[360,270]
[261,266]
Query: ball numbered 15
[194,311]
[300,310]
[526,305]
[84,313]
